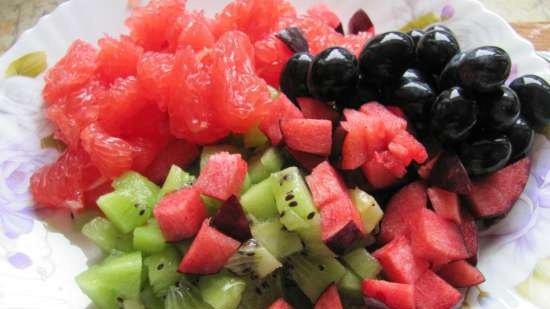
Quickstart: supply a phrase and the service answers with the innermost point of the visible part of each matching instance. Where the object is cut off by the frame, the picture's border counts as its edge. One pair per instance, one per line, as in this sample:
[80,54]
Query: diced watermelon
[399,263]
[222,176]
[326,185]
[393,295]
[461,274]
[177,152]
[378,175]
[282,109]
[397,111]
[315,109]
[280,304]
[307,161]
[397,215]
[341,224]
[445,204]
[391,163]
[322,12]
[470,234]
[434,238]
[407,148]
[330,299]
[496,194]
[180,214]
[432,292]
[308,135]
[393,124]
[425,170]
[209,251]
[354,150]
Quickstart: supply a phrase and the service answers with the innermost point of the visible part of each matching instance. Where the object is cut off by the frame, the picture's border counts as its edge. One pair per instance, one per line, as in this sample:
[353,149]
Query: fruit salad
[265,158]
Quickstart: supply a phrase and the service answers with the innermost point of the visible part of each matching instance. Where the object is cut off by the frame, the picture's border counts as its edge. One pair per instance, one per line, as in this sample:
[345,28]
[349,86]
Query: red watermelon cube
[398,261]
[282,109]
[461,274]
[280,304]
[495,195]
[341,224]
[445,204]
[330,299]
[434,238]
[326,185]
[392,124]
[469,231]
[209,251]
[314,109]
[377,174]
[432,292]
[354,150]
[180,214]
[397,216]
[393,295]
[222,176]
[308,135]
[177,152]
[405,147]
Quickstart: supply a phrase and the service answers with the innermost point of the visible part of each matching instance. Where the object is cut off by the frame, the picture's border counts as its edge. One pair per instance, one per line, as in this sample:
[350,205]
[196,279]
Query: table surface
[531,18]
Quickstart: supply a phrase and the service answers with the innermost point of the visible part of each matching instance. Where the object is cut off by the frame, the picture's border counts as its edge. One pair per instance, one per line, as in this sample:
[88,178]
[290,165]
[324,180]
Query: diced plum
[446,204]
[397,216]
[461,274]
[398,261]
[470,233]
[341,225]
[496,194]
[231,220]
[436,239]
[307,161]
[448,173]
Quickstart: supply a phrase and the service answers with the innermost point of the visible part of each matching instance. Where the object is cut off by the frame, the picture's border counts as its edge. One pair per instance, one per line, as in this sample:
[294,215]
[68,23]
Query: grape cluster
[459,98]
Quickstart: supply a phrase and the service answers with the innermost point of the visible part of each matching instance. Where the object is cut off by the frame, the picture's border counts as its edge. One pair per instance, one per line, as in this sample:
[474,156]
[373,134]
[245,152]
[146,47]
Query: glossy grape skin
[333,74]
[294,76]
[534,94]
[449,75]
[501,109]
[522,137]
[453,115]
[385,57]
[486,155]
[483,69]
[435,49]
[414,95]
[416,35]
[439,27]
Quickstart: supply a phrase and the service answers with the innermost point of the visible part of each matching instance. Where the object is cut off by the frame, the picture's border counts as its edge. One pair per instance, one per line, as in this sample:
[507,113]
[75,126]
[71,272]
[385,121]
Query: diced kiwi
[370,211]
[132,304]
[113,281]
[276,239]
[150,300]
[293,199]
[259,201]
[141,189]
[294,296]
[223,290]
[124,211]
[362,263]
[149,238]
[314,274]
[263,164]
[177,178]
[207,151]
[82,218]
[253,260]
[261,293]
[247,183]
[254,138]
[185,296]
[542,270]
[162,270]
[350,287]
[536,290]
[211,204]
[312,241]
[102,232]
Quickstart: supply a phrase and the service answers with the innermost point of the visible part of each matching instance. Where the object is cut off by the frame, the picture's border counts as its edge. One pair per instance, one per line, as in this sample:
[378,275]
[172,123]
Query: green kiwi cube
[222,290]
[124,211]
[362,263]
[149,238]
[259,201]
[276,239]
[370,211]
[254,138]
[177,179]
[162,270]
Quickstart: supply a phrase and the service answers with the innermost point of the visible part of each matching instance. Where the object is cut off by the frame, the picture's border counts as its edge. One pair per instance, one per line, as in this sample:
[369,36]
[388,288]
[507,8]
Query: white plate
[38,265]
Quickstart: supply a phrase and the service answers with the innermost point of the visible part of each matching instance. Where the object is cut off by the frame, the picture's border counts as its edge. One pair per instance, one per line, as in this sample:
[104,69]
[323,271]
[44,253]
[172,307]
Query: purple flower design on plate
[20,260]
[447,12]
[17,164]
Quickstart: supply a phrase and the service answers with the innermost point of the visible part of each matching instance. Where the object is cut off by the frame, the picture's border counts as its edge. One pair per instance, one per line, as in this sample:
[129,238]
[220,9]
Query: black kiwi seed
[142,212]
[310,215]
[282,214]
[321,267]
[119,299]
[258,291]
[293,204]
[136,205]
[289,197]
[265,285]
[250,254]
[160,266]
